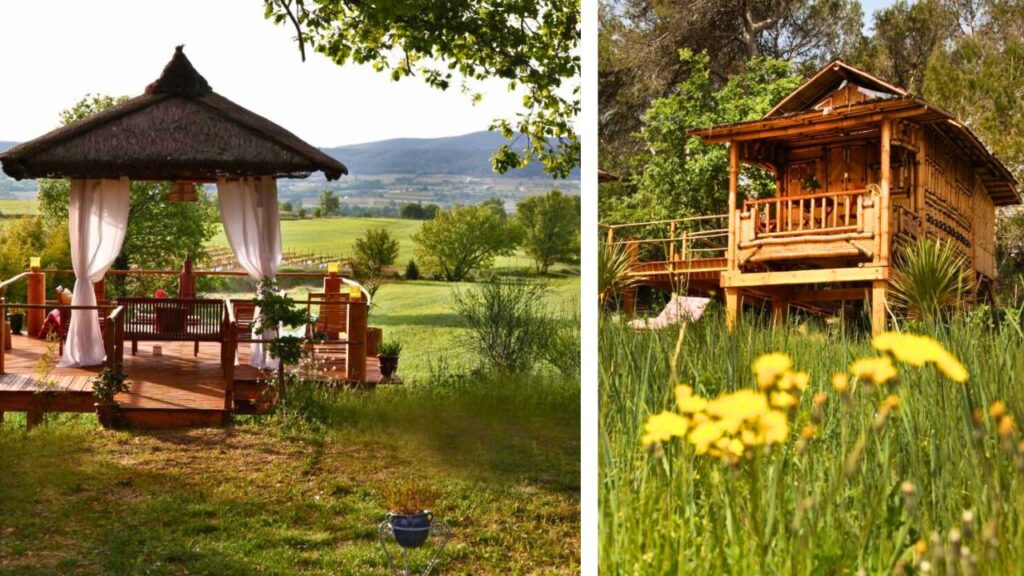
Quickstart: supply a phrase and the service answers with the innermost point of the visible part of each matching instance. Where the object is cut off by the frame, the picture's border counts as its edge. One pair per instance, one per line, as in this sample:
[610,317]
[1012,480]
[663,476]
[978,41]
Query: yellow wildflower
[1007,425]
[687,402]
[730,447]
[733,408]
[840,382]
[808,432]
[774,427]
[891,402]
[703,435]
[768,367]
[783,400]
[798,380]
[997,409]
[663,427]
[878,370]
[921,547]
[918,351]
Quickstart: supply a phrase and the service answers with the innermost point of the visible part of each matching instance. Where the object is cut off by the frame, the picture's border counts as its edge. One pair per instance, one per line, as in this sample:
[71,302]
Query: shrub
[410,497]
[508,328]
[929,279]
[412,271]
[563,349]
[390,348]
[612,271]
[109,383]
[375,250]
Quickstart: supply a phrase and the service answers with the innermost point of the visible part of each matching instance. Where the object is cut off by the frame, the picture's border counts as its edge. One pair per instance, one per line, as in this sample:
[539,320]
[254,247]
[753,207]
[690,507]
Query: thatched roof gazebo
[178,130]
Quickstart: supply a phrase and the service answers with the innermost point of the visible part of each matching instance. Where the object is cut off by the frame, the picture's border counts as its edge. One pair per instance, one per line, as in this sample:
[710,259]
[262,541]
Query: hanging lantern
[182,191]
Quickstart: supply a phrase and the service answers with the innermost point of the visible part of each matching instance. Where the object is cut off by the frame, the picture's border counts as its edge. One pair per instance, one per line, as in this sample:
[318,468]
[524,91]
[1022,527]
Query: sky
[55,52]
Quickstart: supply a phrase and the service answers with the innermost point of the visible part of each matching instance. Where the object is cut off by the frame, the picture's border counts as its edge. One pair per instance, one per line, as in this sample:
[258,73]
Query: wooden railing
[681,239]
[228,353]
[113,336]
[807,214]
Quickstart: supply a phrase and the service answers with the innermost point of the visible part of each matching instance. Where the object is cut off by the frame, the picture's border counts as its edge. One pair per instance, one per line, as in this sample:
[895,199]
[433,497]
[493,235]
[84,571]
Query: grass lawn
[10,207]
[419,314]
[932,484]
[253,499]
[337,236]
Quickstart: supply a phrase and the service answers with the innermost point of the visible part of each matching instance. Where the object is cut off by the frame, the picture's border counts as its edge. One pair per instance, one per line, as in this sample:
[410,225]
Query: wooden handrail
[148,272]
[12,280]
[802,214]
[674,220]
[753,201]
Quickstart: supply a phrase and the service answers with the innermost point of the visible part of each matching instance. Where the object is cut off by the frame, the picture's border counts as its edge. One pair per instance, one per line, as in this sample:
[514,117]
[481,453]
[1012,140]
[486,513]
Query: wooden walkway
[175,389]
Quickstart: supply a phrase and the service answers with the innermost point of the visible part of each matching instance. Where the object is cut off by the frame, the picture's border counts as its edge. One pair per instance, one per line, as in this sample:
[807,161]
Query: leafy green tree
[287,207]
[375,250]
[30,236]
[329,204]
[160,233]
[412,271]
[533,46]
[550,227]
[680,176]
[906,35]
[463,239]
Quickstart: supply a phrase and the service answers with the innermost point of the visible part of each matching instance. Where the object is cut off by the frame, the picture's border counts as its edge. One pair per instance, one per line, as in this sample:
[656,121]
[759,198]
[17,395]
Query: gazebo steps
[165,418]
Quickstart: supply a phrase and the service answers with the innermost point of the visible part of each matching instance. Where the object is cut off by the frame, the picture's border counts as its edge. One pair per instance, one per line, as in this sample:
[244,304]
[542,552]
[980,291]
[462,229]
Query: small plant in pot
[107,384]
[16,318]
[409,512]
[388,354]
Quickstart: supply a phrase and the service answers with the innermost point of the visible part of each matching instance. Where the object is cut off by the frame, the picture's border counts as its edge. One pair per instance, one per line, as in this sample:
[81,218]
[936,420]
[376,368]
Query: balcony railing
[808,214]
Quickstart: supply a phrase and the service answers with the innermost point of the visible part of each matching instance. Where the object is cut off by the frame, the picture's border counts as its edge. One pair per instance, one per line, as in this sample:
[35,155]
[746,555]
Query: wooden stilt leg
[33,418]
[1,418]
[780,311]
[629,302]
[879,291]
[732,307]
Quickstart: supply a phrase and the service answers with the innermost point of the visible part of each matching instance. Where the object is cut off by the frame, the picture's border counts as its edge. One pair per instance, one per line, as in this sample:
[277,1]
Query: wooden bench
[173,320]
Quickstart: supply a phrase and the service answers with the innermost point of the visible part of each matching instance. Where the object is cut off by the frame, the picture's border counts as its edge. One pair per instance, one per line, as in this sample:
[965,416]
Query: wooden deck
[175,389]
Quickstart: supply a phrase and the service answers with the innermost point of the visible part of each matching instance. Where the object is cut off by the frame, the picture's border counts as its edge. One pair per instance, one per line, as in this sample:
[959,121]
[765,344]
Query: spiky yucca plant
[929,278]
[612,271]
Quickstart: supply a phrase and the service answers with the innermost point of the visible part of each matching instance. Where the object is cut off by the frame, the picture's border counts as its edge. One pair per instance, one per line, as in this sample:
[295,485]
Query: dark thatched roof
[179,129]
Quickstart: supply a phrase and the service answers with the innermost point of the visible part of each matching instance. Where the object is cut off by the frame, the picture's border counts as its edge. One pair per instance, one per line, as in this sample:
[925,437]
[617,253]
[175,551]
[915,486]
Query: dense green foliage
[858,495]
[550,228]
[930,280]
[329,204]
[418,211]
[530,45]
[462,240]
[374,251]
[679,176]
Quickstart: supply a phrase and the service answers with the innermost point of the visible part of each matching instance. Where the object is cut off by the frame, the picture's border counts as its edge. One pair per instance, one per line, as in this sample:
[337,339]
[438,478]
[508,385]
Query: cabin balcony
[837,226]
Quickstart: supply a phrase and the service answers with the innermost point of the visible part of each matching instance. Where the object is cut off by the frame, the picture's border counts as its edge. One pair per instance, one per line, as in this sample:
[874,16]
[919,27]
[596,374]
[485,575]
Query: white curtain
[98,221]
[248,208]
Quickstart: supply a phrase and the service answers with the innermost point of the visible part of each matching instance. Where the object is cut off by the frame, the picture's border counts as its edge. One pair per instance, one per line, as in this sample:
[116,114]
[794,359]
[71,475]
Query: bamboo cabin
[860,168]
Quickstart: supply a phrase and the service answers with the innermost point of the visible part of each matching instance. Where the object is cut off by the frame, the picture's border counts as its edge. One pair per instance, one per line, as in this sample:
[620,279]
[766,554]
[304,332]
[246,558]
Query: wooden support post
[879,290]
[780,310]
[332,283]
[33,418]
[355,359]
[885,177]
[732,307]
[734,232]
[921,175]
[36,283]
[99,288]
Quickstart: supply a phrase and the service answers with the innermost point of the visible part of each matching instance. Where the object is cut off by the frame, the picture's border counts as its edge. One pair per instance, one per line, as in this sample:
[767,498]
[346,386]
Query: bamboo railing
[807,214]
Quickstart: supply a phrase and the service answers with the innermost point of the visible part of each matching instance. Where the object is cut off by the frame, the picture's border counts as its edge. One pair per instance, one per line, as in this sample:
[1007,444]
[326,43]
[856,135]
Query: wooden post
[99,288]
[356,356]
[629,296]
[922,174]
[332,283]
[885,178]
[879,290]
[36,281]
[734,175]
[3,335]
[780,310]
[611,236]
[33,418]
[732,307]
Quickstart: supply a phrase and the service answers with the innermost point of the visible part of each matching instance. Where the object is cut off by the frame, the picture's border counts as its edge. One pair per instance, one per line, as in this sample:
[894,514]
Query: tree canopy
[550,228]
[533,46]
[463,239]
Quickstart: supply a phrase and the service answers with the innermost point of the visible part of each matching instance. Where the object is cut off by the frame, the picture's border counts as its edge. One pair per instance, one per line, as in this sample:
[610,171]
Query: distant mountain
[466,155]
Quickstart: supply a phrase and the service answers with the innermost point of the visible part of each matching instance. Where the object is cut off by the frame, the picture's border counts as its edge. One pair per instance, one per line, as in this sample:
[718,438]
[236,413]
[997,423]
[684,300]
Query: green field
[917,475]
[17,207]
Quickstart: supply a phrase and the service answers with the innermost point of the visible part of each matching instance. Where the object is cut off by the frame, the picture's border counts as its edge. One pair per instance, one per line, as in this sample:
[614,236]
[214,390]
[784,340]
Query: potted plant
[388,353]
[16,318]
[107,384]
[409,512]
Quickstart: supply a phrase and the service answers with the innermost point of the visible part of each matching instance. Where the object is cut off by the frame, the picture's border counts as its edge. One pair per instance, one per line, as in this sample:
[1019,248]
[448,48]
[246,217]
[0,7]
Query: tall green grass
[818,510]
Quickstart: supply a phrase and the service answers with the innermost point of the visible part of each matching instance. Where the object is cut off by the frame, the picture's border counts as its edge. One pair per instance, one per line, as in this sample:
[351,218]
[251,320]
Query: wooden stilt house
[860,167]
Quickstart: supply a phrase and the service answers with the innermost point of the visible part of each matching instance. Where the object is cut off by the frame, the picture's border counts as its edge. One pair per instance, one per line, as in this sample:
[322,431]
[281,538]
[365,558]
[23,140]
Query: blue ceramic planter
[411,530]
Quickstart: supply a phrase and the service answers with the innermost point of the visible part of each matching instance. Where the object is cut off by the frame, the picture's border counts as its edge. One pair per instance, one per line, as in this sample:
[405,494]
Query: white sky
[56,51]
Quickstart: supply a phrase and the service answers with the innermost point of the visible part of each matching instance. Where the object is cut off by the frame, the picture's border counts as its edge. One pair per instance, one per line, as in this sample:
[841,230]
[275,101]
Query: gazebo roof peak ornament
[180,78]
